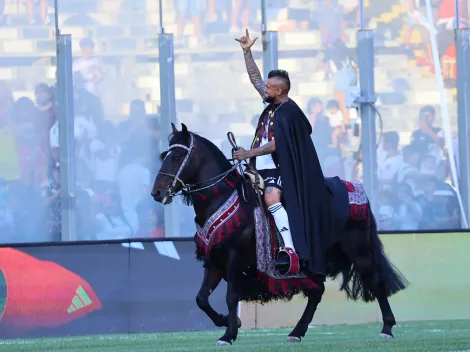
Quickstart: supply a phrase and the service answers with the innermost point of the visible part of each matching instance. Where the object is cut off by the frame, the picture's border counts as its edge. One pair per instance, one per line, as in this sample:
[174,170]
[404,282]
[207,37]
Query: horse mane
[219,158]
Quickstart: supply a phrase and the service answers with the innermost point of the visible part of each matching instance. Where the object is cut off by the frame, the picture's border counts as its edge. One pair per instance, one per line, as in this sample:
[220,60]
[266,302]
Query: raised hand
[246,42]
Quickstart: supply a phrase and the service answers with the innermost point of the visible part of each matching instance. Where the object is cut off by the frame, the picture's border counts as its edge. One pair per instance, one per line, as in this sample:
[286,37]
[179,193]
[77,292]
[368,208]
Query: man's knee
[272,196]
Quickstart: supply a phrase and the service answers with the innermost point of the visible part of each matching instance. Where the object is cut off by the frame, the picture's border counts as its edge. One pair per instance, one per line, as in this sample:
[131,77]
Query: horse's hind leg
[211,280]
[387,314]
[370,277]
[314,298]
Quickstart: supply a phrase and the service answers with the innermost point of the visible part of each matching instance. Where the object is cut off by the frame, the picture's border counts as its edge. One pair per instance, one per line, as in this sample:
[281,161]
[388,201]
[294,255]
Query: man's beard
[268,99]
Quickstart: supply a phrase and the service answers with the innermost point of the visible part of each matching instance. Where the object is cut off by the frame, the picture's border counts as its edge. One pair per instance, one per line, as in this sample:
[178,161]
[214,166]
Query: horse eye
[175,158]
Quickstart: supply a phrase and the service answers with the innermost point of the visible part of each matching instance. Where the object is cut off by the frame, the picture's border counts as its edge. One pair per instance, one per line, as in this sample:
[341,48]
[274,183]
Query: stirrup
[287,261]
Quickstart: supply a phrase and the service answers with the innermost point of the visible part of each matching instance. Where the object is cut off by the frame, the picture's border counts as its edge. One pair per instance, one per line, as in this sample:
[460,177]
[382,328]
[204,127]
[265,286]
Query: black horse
[226,241]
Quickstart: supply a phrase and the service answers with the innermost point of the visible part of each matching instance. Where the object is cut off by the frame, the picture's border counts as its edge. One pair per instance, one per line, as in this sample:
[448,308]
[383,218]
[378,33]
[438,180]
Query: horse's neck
[204,209]
[211,200]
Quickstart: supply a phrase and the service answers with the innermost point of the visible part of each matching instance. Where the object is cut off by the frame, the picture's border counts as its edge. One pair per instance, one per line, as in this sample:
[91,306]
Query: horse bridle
[176,177]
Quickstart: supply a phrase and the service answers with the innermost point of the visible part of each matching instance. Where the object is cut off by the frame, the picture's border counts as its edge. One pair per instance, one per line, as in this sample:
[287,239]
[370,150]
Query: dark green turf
[451,336]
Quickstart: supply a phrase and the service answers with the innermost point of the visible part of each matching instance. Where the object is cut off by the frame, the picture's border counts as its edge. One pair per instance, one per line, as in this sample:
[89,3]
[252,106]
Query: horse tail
[389,277]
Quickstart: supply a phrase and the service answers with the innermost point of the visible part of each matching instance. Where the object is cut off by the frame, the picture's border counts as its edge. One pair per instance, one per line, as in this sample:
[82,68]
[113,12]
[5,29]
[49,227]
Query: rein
[189,188]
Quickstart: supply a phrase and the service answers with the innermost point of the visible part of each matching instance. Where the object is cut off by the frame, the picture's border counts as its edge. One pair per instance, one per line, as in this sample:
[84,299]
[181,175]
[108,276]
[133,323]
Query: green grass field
[450,336]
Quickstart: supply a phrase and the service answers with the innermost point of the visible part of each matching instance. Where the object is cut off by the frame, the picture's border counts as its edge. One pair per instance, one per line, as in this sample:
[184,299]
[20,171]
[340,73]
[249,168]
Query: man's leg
[272,197]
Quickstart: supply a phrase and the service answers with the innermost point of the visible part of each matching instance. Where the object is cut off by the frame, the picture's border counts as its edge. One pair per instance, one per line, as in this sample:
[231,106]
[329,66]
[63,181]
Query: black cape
[305,193]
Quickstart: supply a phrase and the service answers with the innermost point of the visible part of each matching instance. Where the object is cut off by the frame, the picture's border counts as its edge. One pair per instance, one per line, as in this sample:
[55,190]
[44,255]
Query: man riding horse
[285,157]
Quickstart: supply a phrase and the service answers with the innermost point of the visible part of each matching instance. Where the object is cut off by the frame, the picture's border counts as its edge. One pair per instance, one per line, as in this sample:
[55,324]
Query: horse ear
[173,127]
[184,129]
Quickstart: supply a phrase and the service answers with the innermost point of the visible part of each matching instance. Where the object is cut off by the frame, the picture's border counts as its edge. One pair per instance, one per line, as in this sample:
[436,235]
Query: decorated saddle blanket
[272,284]
[348,201]
[221,225]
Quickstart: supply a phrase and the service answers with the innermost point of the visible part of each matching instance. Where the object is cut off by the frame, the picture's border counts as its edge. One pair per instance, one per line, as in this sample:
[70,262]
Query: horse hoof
[222,343]
[293,339]
[385,336]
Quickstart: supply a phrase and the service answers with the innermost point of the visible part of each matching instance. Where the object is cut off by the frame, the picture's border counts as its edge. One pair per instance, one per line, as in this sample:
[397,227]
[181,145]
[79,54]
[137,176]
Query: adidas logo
[79,300]
[284,229]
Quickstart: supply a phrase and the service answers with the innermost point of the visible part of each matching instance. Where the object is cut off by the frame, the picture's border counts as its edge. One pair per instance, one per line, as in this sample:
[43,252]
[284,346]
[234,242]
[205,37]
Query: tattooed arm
[242,154]
[268,148]
[253,72]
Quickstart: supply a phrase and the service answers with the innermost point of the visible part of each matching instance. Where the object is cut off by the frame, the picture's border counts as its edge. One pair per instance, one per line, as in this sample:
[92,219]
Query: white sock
[282,223]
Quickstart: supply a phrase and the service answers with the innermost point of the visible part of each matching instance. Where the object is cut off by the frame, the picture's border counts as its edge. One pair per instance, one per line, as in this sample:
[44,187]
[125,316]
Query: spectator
[140,126]
[330,19]
[111,222]
[358,172]
[47,117]
[192,9]
[86,103]
[445,37]
[84,132]
[338,136]
[105,153]
[447,195]
[407,211]
[240,7]
[417,18]
[391,161]
[427,165]
[33,160]
[86,223]
[433,209]
[428,140]
[133,182]
[322,132]
[51,196]
[342,65]
[338,60]
[408,171]
[43,11]
[386,211]
[299,13]
[211,11]
[335,116]
[88,66]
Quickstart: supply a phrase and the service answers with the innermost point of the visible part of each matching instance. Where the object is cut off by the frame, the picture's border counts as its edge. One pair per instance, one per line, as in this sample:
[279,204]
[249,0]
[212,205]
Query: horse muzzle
[164,197]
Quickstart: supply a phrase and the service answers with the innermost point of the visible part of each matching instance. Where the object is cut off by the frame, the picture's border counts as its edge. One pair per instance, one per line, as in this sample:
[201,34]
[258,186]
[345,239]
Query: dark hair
[409,150]
[43,87]
[428,109]
[333,103]
[281,74]
[312,102]
[24,109]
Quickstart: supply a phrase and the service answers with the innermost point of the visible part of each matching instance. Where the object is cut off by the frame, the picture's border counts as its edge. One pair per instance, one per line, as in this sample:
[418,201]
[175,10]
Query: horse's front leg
[314,298]
[211,280]
[233,297]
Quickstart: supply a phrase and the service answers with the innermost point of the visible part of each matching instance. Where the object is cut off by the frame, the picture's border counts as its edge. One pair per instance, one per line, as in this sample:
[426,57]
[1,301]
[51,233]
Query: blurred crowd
[115,164]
